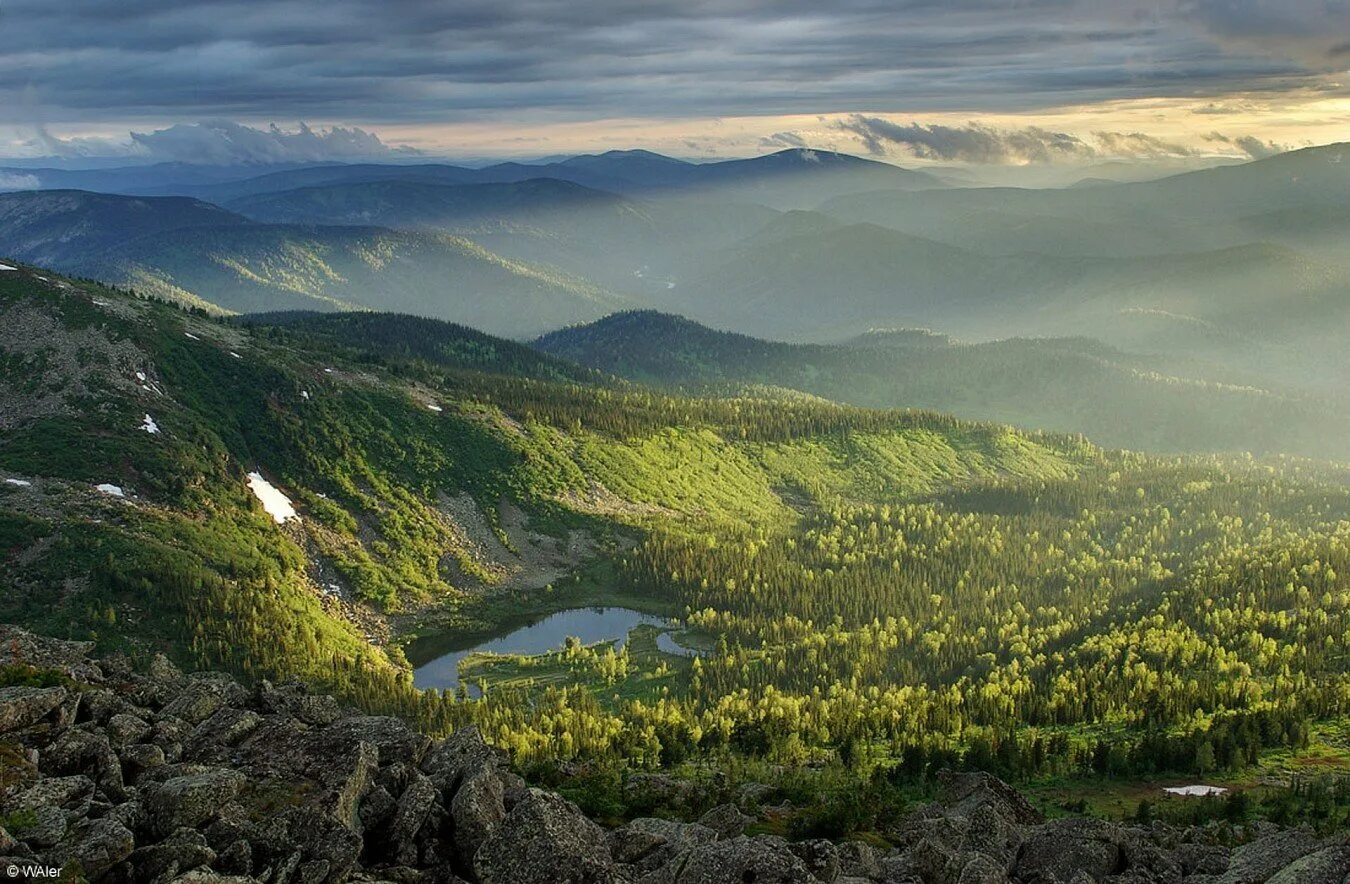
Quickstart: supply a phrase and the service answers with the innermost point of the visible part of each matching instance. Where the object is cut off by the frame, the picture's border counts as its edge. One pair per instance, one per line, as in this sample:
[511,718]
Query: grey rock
[182,851]
[95,846]
[41,826]
[980,869]
[858,860]
[739,860]
[1330,865]
[962,794]
[189,800]
[1259,860]
[79,750]
[138,759]
[545,840]
[648,843]
[22,706]
[462,753]
[726,820]
[72,794]
[123,729]
[414,806]
[1201,859]
[201,698]
[393,738]
[820,857]
[293,701]
[1062,848]
[478,809]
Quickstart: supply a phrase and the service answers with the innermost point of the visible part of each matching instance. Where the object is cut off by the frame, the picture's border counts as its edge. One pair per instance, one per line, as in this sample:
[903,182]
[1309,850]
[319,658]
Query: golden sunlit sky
[974,82]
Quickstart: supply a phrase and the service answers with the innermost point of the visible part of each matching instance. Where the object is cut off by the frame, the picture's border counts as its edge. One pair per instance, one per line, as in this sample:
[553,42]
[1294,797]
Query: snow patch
[140,376]
[19,483]
[435,408]
[327,371]
[110,489]
[7,267]
[150,426]
[235,355]
[304,394]
[1195,791]
[98,303]
[278,505]
[190,336]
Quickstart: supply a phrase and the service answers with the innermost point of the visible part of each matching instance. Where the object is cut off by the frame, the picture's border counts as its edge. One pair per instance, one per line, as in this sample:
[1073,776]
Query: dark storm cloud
[391,61]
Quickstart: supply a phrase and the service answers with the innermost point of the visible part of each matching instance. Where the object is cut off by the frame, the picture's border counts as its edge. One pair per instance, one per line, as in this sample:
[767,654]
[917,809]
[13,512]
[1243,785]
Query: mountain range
[1229,280]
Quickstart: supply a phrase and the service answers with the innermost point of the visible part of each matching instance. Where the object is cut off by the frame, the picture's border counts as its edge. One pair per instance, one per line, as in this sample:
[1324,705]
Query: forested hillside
[868,591]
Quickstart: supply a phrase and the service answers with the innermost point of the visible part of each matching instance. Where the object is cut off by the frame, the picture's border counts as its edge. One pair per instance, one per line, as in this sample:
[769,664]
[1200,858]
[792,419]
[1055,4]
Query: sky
[995,82]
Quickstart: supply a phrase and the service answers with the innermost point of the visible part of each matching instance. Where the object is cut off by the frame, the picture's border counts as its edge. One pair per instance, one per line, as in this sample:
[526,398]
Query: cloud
[1137,145]
[972,143]
[779,140]
[1250,145]
[383,62]
[11,181]
[981,144]
[1312,31]
[227,143]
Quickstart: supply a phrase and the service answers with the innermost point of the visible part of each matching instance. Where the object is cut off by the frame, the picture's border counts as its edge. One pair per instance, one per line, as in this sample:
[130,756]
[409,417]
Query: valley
[866,590]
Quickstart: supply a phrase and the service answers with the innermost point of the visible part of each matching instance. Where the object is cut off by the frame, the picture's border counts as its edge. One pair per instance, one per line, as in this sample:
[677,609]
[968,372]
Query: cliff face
[117,775]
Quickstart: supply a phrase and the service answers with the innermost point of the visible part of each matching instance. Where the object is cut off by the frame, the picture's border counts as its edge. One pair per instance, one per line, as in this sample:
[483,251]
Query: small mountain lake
[589,625]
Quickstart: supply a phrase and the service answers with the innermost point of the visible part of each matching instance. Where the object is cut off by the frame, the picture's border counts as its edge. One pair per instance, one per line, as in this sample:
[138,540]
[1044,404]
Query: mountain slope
[191,251]
[853,582]
[67,227]
[1070,385]
[843,279]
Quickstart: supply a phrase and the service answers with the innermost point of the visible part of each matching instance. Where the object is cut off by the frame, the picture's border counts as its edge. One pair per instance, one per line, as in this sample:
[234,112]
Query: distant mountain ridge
[186,250]
[1064,384]
[790,178]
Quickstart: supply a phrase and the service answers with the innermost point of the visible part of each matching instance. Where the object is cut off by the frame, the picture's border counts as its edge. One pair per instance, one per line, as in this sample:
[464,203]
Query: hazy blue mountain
[627,243]
[1192,211]
[191,251]
[1068,384]
[69,229]
[788,179]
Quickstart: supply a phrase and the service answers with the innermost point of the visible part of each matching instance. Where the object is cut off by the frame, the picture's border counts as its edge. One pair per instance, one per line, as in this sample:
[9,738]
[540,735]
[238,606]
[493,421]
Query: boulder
[190,800]
[414,805]
[95,846]
[202,696]
[648,843]
[1331,865]
[182,851]
[1060,849]
[73,794]
[962,794]
[80,750]
[393,738]
[738,860]
[726,820]
[22,706]
[545,840]
[124,729]
[820,857]
[1259,860]
[478,809]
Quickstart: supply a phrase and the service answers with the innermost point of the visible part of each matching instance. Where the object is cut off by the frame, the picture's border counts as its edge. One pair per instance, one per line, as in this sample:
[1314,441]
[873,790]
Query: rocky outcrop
[159,777]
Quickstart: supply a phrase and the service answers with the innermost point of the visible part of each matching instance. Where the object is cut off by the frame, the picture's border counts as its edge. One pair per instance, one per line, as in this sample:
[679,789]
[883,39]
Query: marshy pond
[588,625]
